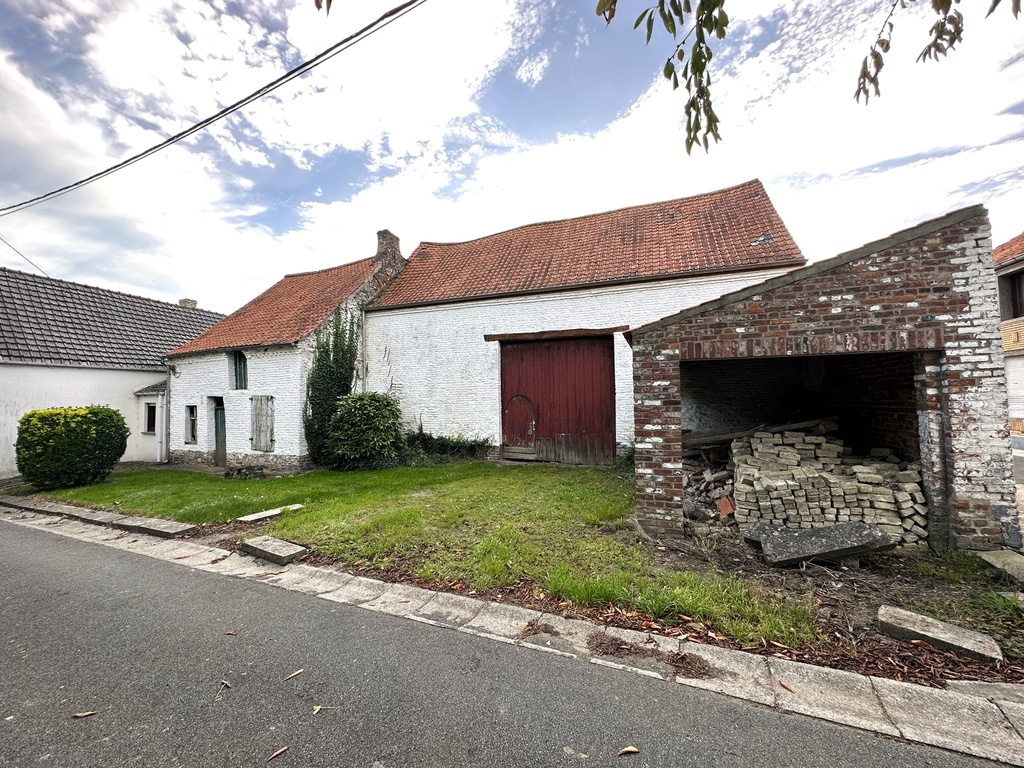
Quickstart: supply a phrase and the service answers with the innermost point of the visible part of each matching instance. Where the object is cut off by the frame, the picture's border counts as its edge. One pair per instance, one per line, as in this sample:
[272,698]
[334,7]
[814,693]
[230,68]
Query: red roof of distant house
[1009,250]
[728,230]
[286,313]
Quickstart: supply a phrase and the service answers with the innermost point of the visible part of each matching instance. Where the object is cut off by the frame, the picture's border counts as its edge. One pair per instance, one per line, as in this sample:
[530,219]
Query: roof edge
[585,286]
[236,347]
[891,241]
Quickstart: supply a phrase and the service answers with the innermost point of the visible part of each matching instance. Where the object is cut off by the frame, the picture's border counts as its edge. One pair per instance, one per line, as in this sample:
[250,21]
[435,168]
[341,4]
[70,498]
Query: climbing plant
[330,378]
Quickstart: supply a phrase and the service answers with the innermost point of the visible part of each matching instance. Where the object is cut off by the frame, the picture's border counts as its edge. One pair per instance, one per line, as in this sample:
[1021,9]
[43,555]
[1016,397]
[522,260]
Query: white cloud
[531,71]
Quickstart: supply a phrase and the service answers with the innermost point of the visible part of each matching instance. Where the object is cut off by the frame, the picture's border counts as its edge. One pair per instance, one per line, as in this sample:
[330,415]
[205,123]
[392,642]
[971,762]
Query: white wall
[435,359]
[277,371]
[29,387]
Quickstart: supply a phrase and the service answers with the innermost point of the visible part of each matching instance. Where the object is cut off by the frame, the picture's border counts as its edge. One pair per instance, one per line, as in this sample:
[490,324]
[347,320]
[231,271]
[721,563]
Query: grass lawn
[481,524]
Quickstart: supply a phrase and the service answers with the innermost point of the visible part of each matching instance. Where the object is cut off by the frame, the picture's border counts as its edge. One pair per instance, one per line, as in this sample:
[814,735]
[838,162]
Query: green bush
[66,447]
[365,431]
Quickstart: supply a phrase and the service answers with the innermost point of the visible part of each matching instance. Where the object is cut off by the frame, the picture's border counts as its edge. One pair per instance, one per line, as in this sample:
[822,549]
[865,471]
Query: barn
[517,337]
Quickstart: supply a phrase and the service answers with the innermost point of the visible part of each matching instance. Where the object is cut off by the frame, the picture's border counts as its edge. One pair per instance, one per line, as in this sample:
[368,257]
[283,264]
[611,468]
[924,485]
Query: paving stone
[274,550]
[733,673]
[950,720]
[830,543]
[1013,692]
[829,694]
[906,625]
[448,609]
[166,529]
[501,620]
[1005,560]
[399,600]
[267,514]
[309,580]
[356,591]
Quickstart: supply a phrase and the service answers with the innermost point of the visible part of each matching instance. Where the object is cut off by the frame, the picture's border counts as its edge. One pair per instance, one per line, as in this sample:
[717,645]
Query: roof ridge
[76,285]
[328,269]
[639,207]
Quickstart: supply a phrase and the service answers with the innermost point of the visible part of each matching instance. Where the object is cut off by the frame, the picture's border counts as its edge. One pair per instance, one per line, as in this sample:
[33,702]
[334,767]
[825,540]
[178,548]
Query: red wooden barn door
[558,400]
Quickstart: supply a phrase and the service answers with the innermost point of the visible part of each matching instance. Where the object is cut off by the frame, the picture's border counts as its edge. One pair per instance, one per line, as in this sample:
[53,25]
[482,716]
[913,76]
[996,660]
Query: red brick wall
[930,289]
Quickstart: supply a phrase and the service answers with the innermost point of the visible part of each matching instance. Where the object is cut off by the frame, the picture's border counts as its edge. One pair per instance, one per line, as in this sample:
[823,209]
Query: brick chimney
[189,303]
[389,255]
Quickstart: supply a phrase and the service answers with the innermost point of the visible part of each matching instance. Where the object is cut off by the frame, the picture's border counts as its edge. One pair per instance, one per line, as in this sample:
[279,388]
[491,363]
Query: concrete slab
[399,600]
[562,635]
[274,550]
[1014,712]
[1006,560]
[647,646]
[268,514]
[954,721]
[906,625]
[828,694]
[1012,692]
[309,580]
[645,639]
[94,516]
[241,566]
[356,591]
[449,610]
[130,523]
[500,620]
[165,529]
[788,546]
[733,673]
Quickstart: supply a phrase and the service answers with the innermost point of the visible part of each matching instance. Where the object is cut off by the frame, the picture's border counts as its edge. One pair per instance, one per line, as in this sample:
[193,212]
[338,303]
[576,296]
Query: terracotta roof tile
[731,229]
[57,322]
[285,313]
[1009,250]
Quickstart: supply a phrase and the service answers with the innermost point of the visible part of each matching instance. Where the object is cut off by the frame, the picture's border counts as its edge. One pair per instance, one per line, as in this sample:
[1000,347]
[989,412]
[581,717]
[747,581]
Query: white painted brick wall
[435,359]
[277,371]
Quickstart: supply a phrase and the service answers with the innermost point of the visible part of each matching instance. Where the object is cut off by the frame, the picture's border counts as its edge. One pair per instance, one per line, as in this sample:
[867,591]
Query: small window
[150,427]
[240,369]
[1016,282]
[191,424]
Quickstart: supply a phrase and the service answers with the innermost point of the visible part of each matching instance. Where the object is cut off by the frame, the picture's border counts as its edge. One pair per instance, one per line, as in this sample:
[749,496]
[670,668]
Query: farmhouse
[899,340]
[238,391]
[68,344]
[517,337]
[1009,261]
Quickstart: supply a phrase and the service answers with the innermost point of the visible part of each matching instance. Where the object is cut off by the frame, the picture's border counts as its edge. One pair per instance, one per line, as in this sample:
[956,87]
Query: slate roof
[57,322]
[1009,251]
[286,313]
[731,229]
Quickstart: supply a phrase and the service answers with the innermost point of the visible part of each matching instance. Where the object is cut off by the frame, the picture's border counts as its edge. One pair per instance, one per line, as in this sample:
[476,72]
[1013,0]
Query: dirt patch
[685,665]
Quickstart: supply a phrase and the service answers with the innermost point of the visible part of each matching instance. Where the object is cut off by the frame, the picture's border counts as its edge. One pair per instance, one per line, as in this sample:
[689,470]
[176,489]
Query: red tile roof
[727,230]
[1009,250]
[286,313]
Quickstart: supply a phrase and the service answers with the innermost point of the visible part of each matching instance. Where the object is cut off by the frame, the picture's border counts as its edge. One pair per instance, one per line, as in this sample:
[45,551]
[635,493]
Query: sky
[467,117]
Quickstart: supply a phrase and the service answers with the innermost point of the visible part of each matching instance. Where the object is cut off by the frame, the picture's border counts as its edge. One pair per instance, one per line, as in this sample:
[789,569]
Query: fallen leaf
[786,686]
[627,751]
[80,715]
[316,708]
[296,673]
[279,752]
[232,632]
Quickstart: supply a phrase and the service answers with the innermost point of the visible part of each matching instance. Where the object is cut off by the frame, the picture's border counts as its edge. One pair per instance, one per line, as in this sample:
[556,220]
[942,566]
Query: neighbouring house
[238,391]
[1009,261]
[68,344]
[517,337]
[898,339]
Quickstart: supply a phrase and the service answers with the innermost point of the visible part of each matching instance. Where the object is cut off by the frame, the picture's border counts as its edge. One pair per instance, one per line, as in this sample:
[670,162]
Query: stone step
[906,625]
[267,514]
[275,550]
[1007,561]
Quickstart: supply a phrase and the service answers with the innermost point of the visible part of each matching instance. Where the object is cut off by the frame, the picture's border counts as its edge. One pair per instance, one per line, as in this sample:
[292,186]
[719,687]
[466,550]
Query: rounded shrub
[365,430]
[65,447]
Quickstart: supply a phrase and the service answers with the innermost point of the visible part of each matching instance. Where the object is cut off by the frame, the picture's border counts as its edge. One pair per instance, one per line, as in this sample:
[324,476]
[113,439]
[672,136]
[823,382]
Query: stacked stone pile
[810,481]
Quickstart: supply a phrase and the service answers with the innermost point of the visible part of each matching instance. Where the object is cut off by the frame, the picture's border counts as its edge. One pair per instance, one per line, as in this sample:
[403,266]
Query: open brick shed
[899,339]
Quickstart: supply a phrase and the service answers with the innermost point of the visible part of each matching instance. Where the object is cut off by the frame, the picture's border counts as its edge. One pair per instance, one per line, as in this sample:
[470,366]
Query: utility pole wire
[387,18]
[26,258]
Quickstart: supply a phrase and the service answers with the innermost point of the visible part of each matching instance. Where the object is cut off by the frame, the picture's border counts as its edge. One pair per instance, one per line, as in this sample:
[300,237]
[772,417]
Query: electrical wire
[26,258]
[384,20]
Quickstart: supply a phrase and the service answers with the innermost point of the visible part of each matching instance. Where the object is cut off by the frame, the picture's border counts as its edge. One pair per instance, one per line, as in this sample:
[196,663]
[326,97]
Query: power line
[26,258]
[387,18]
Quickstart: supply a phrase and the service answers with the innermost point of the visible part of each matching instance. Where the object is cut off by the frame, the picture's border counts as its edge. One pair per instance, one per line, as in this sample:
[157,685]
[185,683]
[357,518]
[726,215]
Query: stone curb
[986,722]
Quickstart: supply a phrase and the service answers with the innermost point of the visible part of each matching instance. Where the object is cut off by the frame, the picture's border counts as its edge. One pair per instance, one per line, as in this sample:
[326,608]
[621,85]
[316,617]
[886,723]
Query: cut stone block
[267,514]
[1000,692]
[166,529]
[93,516]
[733,673]
[906,625]
[756,533]
[274,550]
[1006,561]
[830,543]
[449,610]
[500,620]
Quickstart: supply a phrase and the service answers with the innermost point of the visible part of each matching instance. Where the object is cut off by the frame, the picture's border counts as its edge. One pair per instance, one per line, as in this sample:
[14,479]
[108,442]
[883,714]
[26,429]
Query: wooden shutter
[262,422]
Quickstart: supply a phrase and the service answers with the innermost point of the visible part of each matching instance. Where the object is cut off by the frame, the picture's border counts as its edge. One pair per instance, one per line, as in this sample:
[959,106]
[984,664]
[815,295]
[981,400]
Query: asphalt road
[146,645]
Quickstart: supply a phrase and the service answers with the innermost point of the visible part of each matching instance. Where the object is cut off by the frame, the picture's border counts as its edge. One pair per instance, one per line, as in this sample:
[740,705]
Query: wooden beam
[828,424]
[574,333]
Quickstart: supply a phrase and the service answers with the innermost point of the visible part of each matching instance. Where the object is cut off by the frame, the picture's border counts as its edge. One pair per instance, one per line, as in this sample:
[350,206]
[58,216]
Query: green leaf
[650,26]
[640,18]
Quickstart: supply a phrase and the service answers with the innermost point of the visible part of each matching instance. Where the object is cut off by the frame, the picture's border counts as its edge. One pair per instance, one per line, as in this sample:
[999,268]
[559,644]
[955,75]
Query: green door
[220,450]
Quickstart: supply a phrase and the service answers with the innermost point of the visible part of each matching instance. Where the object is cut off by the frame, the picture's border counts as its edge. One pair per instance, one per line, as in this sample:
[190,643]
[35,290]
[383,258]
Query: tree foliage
[365,431]
[68,447]
[330,378]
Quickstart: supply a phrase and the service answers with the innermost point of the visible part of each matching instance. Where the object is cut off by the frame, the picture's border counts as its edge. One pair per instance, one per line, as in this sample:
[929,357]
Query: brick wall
[929,291]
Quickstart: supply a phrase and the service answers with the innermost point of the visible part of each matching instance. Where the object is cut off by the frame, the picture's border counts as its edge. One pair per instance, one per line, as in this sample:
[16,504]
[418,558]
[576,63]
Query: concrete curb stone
[733,673]
[448,610]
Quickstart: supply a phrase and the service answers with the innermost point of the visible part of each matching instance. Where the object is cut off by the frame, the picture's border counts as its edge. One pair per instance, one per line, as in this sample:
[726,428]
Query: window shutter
[262,423]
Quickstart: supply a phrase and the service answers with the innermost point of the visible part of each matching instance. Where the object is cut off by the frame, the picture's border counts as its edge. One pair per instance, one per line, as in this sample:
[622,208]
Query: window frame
[239,370]
[191,425]
[149,419]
